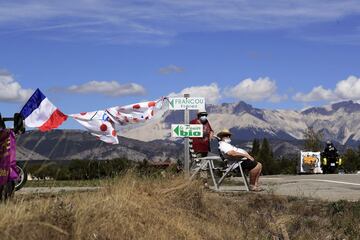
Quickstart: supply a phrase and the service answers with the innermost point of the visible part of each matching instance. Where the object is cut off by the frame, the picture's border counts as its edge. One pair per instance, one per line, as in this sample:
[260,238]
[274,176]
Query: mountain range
[339,122]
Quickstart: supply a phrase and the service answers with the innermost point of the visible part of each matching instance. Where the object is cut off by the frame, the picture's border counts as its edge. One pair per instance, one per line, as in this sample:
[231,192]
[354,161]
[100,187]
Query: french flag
[40,113]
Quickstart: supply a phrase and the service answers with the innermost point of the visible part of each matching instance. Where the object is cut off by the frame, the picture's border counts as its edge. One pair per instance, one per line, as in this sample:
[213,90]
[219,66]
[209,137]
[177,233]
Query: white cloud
[111,88]
[255,90]
[157,21]
[171,69]
[11,91]
[211,92]
[316,94]
[348,89]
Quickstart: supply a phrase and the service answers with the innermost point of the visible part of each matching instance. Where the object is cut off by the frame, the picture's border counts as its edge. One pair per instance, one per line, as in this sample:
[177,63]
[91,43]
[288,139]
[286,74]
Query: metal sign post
[186,103]
[186,147]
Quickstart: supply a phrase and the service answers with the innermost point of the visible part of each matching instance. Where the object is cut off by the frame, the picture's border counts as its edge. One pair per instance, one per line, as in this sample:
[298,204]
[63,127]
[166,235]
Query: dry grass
[170,208]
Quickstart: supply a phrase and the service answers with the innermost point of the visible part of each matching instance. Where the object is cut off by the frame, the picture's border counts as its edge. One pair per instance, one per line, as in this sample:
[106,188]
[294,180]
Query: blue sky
[91,54]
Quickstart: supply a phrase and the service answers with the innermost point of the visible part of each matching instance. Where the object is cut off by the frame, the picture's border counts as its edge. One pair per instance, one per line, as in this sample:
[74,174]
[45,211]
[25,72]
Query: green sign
[181,103]
[186,130]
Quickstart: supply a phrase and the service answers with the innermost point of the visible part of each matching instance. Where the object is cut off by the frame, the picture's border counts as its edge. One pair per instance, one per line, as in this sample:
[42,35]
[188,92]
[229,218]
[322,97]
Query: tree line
[79,169]
[262,151]
[95,169]
[313,141]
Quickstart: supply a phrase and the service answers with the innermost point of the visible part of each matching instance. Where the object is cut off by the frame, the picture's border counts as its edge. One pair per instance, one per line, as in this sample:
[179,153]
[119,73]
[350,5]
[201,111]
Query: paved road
[331,187]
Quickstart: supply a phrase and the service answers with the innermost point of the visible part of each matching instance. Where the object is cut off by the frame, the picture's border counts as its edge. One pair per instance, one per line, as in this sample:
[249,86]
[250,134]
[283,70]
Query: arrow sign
[177,130]
[186,130]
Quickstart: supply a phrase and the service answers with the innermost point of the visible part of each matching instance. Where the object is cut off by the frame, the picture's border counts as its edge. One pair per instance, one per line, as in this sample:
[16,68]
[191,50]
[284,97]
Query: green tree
[255,147]
[286,165]
[313,140]
[351,161]
[265,156]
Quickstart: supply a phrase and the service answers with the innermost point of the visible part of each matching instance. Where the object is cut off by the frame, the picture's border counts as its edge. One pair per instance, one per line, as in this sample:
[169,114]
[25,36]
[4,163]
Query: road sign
[186,130]
[182,103]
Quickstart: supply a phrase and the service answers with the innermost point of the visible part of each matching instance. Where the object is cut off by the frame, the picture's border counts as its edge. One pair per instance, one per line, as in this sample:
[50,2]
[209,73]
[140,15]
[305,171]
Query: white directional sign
[186,130]
[191,103]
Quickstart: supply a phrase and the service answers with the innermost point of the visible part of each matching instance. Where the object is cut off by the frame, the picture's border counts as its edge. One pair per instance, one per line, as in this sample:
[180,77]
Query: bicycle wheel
[23,176]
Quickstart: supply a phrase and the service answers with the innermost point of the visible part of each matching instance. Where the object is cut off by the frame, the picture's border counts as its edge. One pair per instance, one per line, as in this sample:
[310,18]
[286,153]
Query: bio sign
[186,130]
[192,103]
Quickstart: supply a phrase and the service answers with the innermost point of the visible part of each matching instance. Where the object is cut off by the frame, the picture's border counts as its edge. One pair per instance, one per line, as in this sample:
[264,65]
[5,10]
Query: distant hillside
[75,144]
[339,122]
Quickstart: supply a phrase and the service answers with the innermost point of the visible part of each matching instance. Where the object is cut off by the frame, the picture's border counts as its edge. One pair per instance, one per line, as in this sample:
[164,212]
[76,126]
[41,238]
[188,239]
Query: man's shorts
[248,164]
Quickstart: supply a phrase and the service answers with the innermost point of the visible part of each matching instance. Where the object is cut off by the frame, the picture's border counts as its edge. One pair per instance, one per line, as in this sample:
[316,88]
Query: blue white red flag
[39,112]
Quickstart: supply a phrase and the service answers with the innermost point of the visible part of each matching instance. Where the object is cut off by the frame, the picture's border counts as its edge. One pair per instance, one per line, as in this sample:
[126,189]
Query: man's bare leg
[258,175]
[254,175]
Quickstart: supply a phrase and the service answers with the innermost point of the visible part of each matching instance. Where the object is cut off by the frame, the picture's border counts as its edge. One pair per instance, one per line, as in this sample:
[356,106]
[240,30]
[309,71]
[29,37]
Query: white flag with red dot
[134,113]
[103,123]
[99,125]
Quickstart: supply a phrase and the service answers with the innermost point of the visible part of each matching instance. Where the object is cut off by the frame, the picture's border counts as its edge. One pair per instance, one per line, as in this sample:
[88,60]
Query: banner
[105,124]
[98,124]
[310,162]
[7,156]
[14,175]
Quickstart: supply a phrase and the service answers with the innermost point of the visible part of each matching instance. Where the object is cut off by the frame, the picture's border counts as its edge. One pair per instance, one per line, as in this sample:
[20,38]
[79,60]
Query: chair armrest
[209,158]
[227,158]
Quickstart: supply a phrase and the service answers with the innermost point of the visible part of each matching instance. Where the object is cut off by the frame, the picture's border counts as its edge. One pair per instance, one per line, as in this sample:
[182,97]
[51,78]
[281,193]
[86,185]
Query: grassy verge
[67,183]
[132,207]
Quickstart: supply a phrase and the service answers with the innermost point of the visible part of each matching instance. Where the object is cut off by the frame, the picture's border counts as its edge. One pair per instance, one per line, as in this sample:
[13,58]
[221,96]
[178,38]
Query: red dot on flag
[113,133]
[151,104]
[83,113]
[136,106]
[103,127]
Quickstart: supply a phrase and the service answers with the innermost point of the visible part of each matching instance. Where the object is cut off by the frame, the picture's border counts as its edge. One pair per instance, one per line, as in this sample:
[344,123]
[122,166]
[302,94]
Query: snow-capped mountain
[339,122]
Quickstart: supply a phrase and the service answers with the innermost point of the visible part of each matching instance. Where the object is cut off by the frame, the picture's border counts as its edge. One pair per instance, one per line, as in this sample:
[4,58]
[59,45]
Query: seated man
[233,153]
